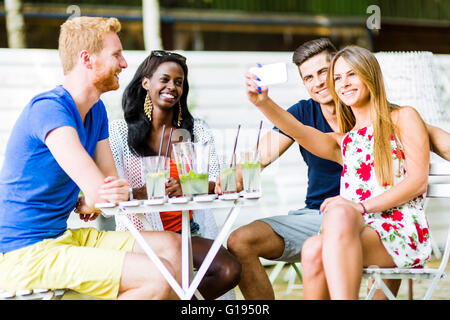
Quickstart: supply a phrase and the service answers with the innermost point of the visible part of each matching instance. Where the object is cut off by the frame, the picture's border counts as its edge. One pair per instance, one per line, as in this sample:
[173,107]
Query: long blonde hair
[366,66]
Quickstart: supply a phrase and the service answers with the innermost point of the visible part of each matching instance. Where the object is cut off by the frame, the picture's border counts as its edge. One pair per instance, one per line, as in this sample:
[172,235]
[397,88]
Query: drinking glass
[166,163]
[251,168]
[155,176]
[228,174]
[193,165]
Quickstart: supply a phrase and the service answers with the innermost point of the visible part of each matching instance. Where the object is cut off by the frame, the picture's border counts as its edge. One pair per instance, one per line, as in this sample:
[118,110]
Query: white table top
[143,206]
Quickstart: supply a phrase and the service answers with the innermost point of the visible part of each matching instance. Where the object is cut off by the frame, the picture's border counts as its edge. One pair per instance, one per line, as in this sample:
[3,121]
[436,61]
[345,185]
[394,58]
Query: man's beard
[106,80]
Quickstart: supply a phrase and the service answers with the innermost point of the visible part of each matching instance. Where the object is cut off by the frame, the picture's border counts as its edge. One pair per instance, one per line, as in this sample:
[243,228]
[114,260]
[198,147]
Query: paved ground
[285,291]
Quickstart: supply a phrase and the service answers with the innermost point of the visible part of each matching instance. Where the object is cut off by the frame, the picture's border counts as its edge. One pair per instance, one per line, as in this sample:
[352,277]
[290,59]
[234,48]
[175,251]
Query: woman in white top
[157,96]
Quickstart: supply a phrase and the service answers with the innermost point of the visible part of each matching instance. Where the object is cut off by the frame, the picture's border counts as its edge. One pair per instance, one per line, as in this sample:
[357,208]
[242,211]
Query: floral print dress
[403,230]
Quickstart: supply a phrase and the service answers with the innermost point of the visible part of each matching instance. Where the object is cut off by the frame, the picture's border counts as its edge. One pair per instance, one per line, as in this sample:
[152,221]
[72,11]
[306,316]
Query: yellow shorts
[84,260]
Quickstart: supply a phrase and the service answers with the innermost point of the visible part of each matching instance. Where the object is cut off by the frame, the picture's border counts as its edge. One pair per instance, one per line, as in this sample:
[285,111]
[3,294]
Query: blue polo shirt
[323,175]
[36,195]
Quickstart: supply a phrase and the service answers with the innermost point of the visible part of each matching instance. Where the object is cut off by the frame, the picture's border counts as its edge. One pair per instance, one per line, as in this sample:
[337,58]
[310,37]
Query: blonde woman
[378,217]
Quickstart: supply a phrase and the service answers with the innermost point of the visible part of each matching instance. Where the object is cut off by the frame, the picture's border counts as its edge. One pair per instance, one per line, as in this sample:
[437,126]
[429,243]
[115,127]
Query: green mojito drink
[251,176]
[228,180]
[192,160]
[155,183]
[194,183]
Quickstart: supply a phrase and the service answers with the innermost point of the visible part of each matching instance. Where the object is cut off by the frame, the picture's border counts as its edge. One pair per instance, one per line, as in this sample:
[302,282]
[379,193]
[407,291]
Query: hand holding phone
[270,73]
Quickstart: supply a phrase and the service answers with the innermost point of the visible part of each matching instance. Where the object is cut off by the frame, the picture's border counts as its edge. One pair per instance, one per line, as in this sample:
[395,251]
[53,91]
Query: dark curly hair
[139,127]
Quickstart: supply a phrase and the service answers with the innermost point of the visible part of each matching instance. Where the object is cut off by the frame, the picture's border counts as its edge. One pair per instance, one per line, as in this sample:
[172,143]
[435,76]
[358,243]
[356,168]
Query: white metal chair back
[35,294]
[434,190]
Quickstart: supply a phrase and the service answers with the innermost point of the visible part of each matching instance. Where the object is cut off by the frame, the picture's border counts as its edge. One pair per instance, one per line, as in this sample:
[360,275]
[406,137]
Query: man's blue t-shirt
[323,175]
[36,195]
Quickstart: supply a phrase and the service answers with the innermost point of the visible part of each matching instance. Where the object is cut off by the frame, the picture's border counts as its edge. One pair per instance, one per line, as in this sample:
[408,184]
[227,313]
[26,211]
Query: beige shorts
[84,260]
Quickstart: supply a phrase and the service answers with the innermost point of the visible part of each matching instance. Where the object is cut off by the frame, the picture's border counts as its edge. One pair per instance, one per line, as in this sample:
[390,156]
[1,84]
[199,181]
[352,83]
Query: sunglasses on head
[162,53]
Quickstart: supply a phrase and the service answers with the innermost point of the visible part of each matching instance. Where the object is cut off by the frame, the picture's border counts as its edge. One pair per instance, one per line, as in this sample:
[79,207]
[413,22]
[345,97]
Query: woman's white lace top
[129,167]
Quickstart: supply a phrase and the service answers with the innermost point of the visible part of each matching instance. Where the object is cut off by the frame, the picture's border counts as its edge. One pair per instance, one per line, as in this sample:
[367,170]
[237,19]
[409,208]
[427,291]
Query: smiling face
[349,87]
[165,85]
[314,75]
[108,64]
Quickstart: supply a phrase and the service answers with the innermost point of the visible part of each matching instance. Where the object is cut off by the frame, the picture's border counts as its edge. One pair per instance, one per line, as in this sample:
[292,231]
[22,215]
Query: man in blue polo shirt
[58,146]
[281,238]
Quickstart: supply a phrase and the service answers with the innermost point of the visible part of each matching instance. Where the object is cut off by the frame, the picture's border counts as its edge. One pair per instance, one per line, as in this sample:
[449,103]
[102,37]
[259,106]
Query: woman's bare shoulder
[404,115]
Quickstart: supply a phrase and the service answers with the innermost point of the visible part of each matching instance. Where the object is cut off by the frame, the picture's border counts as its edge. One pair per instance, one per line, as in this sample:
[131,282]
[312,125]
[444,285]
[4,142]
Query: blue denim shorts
[295,228]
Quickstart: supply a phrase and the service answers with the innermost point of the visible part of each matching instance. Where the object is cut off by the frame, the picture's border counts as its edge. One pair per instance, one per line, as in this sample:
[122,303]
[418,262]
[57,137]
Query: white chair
[293,273]
[35,294]
[435,190]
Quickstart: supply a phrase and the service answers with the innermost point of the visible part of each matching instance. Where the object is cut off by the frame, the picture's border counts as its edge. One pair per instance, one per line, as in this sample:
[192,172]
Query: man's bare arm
[104,160]
[272,145]
[65,146]
[439,141]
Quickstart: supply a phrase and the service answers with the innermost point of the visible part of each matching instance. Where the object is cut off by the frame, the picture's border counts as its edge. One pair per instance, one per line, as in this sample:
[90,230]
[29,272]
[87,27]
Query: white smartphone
[270,73]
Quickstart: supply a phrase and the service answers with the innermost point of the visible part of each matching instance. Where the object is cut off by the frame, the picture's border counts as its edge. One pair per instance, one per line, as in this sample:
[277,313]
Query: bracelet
[131,194]
[364,208]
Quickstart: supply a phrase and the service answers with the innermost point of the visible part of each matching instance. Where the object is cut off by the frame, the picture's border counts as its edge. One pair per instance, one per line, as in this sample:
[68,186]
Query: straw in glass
[162,139]
[168,142]
[160,146]
[257,141]
[235,144]
[167,148]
